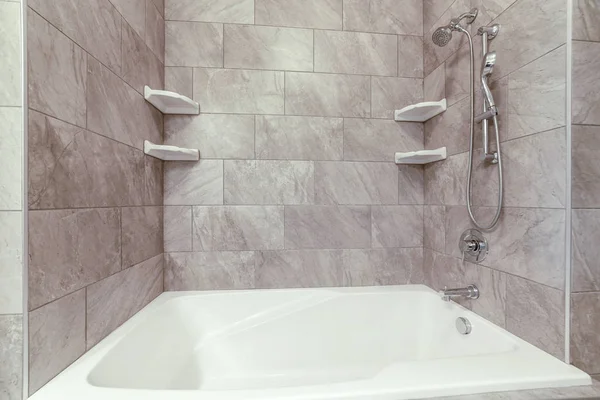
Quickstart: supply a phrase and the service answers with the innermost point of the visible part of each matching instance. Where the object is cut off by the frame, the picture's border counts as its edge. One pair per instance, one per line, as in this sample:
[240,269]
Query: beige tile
[396,226]
[180,80]
[586,171]
[327,95]
[319,14]
[434,84]
[585,236]
[194,183]
[11,262]
[586,89]
[11,353]
[11,148]
[585,325]
[178,228]
[155,31]
[585,20]
[356,53]
[112,301]
[134,12]
[299,138]
[140,66]
[402,17]
[390,94]
[239,91]
[10,48]
[70,249]
[141,234]
[230,11]
[410,56]
[434,232]
[56,338]
[193,44]
[376,267]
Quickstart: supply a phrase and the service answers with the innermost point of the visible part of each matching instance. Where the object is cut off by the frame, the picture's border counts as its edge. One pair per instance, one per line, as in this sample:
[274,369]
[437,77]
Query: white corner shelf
[171,102]
[421,157]
[420,112]
[170,153]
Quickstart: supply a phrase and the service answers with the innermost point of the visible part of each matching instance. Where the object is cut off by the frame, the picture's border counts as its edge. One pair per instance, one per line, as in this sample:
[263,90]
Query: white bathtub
[371,343]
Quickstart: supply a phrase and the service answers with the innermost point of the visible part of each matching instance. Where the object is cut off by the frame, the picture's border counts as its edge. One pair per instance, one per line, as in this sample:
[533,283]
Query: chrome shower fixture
[442,35]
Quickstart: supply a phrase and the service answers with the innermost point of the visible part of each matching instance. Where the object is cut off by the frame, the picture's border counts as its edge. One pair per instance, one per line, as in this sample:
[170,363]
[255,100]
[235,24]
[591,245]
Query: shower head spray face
[442,36]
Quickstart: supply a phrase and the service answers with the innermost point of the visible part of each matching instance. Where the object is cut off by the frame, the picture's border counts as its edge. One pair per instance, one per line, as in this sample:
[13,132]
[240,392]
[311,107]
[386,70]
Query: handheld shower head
[487,67]
[442,36]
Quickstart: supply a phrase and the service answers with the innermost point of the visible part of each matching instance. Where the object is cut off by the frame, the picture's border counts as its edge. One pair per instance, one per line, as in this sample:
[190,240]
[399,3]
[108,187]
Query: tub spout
[469,292]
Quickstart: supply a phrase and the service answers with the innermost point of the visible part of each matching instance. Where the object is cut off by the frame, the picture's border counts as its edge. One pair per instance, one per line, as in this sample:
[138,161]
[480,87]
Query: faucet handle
[473,246]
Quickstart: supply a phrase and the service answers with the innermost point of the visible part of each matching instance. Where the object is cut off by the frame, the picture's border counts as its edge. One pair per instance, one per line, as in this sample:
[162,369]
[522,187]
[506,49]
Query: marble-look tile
[432,11]
[586,170]
[299,138]
[586,87]
[193,44]
[94,25]
[178,228]
[180,80]
[69,249]
[215,135]
[356,53]
[112,301]
[375,267]
[238,228]
[141,234]
[434,232]
[11,262]
[401,17]
[443,270]
[56,338]
[117,111]
[140,66]
[390,94]
[327,95]
[489,10]
[585,20]
[396,226]
[585,325]
[356,183]
[194,183]
[209,271]
[318,14]
[535,313]
[155,31]
[10,48]
[491,304]
[450,129]
[378,140]
[322,227]
[537,94]
[269,182]
[11,354]
[230,11]
[11,148]
[134,12]
[71,167]
[445,181]
[264,47]
[153,181]
[410,56]
[160,6]
[239,91]
[568,393]
[457,76]
[299,268]
[586,253]
[411,184]
[536,27]
[434,84]
[56,81]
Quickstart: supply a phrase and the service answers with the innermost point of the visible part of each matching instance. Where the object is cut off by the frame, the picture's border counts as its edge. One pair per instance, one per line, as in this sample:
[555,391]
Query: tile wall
[296,186]
[95,201]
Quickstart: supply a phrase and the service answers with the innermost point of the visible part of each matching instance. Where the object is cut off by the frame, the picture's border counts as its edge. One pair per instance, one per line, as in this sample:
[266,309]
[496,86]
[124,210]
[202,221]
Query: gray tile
[411,184]
[112,301]
[209,271]
[11,262]
[356,53]
[160,5]
[11,353]
[585,235]
[134,12]
[155,31]
[586,88]
[140,66]
[378,140]
[11,148]
[390,94]
[396,226]
[56,338]
[445,181]
[410,56]
[490,9]
[434,84]
[69,249]
[327,95]
[117,111]
[450,129]
[434,232]
[141,234]
[299,138]
[239,91]
[94,25]
[433,10]
[178,228]
[321,227]
[586,171]
[230,11]
[10,49]
[356,183]
[402,17]
[299,268]
[56,81]
[216,136]
[535,313]
[269,182]
[193,44]
[375,267]
[319,14]
[491,303]
[238,228]
[180,80]
[585,341]
[262,47]
[153,181]
[194,183]
[457,76]
[585,20]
